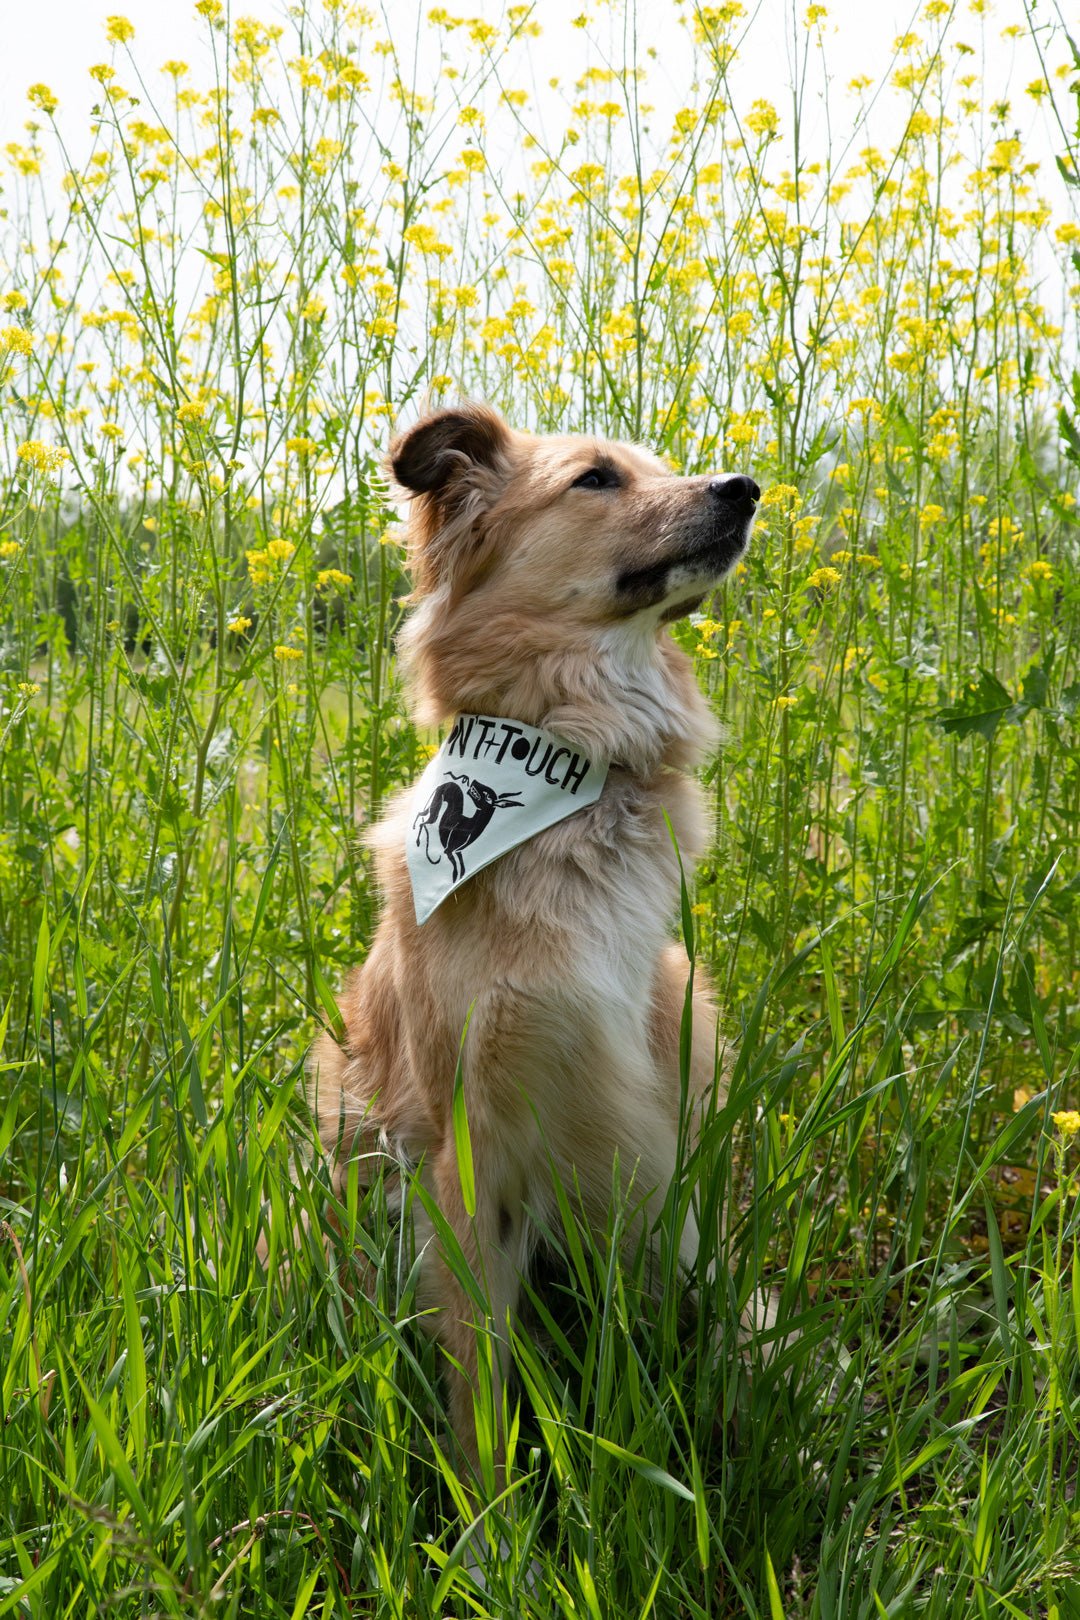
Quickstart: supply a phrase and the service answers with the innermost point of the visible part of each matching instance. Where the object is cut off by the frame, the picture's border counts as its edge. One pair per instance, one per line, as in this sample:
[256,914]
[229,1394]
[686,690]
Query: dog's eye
[597,478]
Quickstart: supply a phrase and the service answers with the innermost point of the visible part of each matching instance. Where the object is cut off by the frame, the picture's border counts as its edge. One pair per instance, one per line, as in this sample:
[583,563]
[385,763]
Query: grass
[216,314]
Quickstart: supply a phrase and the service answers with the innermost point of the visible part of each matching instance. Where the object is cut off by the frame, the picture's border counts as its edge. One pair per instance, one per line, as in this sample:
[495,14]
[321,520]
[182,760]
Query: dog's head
[602,530]
[537,552]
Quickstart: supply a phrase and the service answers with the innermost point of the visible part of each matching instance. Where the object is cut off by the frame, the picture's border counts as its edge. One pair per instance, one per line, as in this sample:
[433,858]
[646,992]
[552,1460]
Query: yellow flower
[782,495]
[13,301]
[1068,1123]
[822,578]
[46,458]
[240,625]
[303,448]
[259,567]
[287,655]
[111,430]
[333,576]
[42,97]
[29,688]
[762,118]
[786,702]
[191,411]
[15,339]
[1039,570]
[119,30]
[9,549]
[929,516]
[280,550]
[314,309]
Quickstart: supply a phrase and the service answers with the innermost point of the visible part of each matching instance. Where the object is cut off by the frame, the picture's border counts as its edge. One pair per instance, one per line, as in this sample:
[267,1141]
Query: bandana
[493,784]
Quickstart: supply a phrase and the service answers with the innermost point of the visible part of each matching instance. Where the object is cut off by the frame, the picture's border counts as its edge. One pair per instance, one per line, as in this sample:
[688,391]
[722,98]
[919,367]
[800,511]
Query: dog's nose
[737,489]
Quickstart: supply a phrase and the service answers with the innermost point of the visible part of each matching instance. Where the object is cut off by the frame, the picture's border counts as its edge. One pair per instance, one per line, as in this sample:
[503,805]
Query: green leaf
[1066,171]
[134,1367]
[116,1460]
[999,1280]
[329,1000]
[982,708]
[462,1139]
[776,1607]
[266,888]
[648,1470]
[41,968]
[832,994]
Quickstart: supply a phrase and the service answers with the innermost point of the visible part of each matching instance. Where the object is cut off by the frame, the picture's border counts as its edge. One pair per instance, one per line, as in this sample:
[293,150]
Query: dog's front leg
[475,1310]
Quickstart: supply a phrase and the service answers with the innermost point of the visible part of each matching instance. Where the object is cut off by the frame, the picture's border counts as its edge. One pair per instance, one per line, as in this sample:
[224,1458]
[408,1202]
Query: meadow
[213,313]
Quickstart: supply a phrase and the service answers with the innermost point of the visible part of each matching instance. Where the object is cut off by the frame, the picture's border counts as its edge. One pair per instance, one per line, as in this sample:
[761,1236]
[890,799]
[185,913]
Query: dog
[546,572]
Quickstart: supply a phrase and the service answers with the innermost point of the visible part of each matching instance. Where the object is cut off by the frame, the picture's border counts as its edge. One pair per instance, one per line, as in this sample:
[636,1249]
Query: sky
[56,41]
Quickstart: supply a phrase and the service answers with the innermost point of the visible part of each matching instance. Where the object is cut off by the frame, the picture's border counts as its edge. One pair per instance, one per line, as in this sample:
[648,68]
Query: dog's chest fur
[550,955]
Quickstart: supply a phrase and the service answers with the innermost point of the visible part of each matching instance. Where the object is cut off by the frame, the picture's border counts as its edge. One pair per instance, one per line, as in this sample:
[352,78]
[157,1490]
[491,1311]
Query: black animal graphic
[446,810]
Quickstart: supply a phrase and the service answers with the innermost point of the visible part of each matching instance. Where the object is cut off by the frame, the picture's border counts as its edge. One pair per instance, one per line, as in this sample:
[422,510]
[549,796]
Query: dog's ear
[432,457]
[454,463]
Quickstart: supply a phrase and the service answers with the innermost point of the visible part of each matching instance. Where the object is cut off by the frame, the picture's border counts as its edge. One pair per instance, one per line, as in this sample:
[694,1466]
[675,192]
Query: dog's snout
[737,490]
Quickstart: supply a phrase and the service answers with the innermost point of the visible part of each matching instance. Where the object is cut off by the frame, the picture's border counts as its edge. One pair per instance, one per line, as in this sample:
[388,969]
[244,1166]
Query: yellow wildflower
[782,495]
[823,578]
[280,550]
[119,30]
[46,458]
[191,411]
[240,625]
[762,119]
[42,97]
[259,568]
[287,655]
[333,576]
[15,339]
[9,549]
[1068,1123]
[303,448]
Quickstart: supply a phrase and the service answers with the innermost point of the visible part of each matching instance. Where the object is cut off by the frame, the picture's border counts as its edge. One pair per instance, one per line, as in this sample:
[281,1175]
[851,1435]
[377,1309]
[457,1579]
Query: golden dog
[546,571]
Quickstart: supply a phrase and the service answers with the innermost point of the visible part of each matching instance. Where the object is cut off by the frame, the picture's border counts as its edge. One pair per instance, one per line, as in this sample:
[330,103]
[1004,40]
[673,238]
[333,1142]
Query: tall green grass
[216,311]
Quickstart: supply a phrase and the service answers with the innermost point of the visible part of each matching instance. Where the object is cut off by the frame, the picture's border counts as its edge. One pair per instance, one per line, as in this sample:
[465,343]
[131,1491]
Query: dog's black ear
[455,464]
[432,457]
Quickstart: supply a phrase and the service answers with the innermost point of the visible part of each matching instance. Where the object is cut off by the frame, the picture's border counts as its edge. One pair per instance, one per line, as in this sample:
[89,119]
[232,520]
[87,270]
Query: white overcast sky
[56,41]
